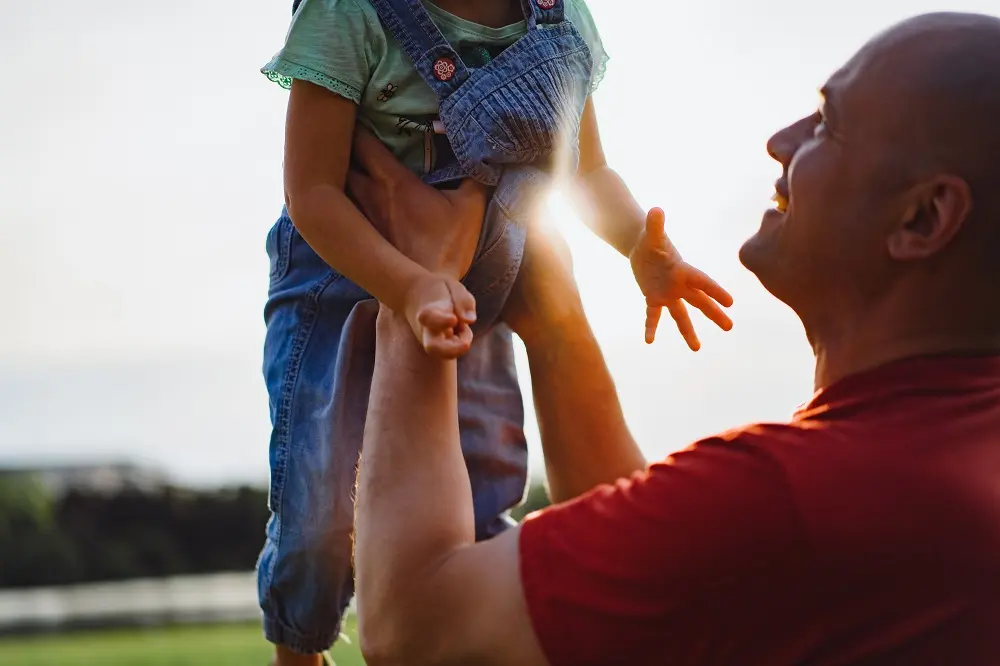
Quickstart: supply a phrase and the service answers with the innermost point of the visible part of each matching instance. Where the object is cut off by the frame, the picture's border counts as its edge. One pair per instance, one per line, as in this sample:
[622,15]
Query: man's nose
[786,142]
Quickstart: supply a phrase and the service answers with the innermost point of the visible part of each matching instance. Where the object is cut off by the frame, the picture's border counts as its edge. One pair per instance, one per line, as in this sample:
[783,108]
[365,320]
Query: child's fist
[440,311]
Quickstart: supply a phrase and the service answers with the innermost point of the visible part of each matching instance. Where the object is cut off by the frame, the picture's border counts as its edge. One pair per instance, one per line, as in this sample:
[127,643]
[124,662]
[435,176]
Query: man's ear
[936,211]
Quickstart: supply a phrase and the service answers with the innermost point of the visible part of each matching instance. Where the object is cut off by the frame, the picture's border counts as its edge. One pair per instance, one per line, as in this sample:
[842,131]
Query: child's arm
[605,204]
[318,135]
[611,211]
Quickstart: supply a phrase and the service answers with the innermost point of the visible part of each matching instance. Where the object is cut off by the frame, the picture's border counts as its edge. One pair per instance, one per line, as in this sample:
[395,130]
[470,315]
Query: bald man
[864,531]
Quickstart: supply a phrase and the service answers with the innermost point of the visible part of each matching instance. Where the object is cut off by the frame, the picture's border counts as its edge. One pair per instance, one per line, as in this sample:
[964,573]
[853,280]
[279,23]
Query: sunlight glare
[559,211]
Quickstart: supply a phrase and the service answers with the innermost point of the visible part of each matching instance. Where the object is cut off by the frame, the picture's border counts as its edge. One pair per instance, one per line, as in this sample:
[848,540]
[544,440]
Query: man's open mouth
[780,202]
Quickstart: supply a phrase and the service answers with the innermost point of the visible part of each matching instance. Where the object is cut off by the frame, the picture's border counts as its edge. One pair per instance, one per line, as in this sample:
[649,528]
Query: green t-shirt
[342,46]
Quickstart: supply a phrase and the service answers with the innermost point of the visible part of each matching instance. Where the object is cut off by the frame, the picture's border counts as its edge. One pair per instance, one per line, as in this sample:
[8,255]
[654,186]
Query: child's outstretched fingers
[652,321]
[701,281]
[678,311]
[709,308]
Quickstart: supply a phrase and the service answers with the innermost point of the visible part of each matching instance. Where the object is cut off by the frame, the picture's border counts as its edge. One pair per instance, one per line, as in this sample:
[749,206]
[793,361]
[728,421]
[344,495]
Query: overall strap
[433,57]
[543,12]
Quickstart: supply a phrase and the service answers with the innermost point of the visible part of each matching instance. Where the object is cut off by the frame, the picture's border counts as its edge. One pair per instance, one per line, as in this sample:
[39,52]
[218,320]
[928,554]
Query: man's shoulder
[764,433]
[762,439]
[774,462]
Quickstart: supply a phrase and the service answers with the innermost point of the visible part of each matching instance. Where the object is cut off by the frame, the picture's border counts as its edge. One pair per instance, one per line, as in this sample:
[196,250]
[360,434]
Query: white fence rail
[212,598]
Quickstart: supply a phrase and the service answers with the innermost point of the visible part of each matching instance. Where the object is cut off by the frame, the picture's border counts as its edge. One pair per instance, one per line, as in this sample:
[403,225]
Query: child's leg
[490,408]
[491,422]
[318,361]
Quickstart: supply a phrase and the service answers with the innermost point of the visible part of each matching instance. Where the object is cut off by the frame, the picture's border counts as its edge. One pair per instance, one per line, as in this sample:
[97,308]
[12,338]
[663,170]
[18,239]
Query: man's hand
[667,281]
[437,229]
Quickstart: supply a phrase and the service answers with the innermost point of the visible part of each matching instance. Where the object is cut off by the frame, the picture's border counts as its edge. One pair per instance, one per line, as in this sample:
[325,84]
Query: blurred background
[140,169]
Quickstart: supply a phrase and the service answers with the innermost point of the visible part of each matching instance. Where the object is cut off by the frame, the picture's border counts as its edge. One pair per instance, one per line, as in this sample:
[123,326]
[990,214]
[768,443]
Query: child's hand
[440,311]
[667,281]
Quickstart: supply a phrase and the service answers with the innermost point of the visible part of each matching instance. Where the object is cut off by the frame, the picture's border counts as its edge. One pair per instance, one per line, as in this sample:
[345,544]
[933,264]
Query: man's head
[891,191]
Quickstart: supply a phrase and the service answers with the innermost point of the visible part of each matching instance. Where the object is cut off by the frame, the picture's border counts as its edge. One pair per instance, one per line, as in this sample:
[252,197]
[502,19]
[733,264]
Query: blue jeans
[505,120]
[319,355]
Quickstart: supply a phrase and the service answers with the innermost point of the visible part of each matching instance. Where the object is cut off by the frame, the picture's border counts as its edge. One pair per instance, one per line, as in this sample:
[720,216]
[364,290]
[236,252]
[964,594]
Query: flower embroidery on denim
[444,69]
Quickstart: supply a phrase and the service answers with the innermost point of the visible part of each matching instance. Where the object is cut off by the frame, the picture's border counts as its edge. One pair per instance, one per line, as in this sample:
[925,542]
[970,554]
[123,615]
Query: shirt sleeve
[662,568]
[331,43]
[578,12]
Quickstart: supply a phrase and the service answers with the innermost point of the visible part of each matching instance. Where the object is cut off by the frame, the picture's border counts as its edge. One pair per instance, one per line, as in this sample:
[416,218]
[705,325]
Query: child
[514,101]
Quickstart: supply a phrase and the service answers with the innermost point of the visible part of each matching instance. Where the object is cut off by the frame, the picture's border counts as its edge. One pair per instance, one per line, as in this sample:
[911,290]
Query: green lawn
[215,645]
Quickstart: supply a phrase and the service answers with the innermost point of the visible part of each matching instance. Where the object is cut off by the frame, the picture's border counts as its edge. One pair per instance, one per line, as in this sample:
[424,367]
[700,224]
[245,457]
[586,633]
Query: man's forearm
[585,439]
[606,205]
[414,502]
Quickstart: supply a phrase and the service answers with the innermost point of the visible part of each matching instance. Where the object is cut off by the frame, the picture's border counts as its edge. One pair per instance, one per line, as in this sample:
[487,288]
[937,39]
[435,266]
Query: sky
[140,169]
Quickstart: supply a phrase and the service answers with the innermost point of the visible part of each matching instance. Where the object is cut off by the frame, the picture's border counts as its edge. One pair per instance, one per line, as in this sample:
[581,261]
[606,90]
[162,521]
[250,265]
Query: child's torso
[399,106]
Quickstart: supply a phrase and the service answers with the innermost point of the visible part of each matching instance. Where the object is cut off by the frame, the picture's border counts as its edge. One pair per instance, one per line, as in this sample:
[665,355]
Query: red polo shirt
[866,531]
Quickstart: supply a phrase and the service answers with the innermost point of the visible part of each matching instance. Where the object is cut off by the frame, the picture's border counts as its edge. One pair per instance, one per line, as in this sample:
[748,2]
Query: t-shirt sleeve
[664,567]
[578,12]
[331,43]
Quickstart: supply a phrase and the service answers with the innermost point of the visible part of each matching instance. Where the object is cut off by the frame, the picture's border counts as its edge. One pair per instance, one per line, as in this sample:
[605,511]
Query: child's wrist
[419,291]
[636,242]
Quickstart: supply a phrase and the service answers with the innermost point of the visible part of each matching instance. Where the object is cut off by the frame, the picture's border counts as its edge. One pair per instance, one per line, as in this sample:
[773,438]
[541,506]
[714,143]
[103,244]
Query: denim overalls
[506,123]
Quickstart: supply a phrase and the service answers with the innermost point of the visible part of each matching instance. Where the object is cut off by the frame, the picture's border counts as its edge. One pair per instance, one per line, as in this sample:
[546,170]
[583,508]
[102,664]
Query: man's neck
[836,363]
[849,345]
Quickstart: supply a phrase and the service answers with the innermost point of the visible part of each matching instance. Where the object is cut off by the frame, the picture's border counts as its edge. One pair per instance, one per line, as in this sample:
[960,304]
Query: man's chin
[756,250]
[750,254]
[761,254]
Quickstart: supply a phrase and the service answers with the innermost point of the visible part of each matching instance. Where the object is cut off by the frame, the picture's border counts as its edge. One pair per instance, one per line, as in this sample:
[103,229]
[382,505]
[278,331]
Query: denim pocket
[279,247]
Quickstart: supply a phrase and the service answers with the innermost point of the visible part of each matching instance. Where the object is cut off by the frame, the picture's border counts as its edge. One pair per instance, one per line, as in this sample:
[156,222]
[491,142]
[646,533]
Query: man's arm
[585,439]
[423,556]
[584,436]
[669,563]
[426,592]
[419,571]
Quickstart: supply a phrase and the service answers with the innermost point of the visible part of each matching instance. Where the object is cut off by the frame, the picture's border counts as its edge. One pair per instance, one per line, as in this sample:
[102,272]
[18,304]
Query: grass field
[213,645]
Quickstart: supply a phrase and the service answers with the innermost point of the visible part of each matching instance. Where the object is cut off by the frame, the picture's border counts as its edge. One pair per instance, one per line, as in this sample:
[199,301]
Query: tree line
[85,536]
